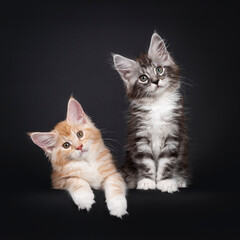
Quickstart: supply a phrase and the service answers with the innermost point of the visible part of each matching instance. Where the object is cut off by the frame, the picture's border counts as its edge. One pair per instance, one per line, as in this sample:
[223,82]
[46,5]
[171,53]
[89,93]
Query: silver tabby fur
[156,149]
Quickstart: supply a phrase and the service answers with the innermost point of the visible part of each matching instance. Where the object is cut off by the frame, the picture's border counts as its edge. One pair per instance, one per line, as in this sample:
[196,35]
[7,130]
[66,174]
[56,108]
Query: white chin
[160,89]
[77,156]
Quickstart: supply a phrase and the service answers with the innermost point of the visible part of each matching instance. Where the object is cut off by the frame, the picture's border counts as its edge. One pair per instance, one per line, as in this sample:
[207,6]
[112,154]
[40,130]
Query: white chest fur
[158,124]
[87,170]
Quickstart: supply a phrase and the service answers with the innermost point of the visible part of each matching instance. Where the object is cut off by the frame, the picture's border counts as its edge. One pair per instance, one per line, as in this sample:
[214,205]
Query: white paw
[181,183]
[117,206]
[146,184]
[168,185]
[83,199]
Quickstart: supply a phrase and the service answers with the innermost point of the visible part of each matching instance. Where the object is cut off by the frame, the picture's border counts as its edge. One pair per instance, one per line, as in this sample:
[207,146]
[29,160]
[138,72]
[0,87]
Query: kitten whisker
[111,139]
[192,83]
[103,130]
[111,145]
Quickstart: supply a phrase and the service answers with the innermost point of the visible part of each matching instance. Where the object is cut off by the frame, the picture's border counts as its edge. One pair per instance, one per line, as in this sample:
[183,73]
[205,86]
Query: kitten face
[150,74]
[71,139]
[74,141]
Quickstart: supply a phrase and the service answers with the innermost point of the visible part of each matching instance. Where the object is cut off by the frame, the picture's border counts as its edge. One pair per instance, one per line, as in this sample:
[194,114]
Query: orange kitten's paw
[117,206]
[168,185]
[83,199]
[146,184]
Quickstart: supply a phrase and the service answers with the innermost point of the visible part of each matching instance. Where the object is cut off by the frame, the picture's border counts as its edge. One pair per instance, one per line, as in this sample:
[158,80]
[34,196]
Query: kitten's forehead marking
[144,61]
[146,65]
[74,134]
[63,128]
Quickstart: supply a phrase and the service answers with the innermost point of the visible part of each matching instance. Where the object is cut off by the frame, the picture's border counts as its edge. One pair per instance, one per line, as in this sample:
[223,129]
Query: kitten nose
[80,147]
[155,81]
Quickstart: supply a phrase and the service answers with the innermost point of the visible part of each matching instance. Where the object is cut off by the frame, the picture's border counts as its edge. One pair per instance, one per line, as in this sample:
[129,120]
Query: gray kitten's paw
[182,183]
[168,185]
[146,184]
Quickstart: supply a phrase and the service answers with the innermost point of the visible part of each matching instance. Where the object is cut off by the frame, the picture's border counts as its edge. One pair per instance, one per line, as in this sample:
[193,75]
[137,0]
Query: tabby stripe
[142,155]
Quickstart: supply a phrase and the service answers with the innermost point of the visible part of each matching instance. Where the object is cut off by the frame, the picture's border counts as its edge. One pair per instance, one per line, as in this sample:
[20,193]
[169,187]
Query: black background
[52,49]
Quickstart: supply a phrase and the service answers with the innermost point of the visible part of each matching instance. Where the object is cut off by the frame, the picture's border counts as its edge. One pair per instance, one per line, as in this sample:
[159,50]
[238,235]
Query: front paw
[168,185]
[146,184]
[83,199]
[117,206]
[182,183]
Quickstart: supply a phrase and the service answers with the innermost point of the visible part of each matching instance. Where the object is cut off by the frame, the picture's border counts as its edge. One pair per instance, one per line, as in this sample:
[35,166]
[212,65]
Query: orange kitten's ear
[45,140]
[75,113]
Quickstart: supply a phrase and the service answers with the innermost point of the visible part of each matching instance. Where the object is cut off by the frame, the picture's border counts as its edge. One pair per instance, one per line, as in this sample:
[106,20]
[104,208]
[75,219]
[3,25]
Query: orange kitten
[80,160]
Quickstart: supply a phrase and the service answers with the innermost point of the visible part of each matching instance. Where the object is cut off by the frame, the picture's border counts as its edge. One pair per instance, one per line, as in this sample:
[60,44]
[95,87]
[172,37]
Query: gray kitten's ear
[157,47]
[123,65]
[45,140]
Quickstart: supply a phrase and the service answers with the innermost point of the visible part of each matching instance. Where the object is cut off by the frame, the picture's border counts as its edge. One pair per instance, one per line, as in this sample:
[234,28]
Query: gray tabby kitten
[156,150]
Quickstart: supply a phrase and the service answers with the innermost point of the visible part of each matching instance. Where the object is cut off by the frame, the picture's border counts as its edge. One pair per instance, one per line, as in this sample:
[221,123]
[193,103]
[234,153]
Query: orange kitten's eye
[80,134]
[66,145]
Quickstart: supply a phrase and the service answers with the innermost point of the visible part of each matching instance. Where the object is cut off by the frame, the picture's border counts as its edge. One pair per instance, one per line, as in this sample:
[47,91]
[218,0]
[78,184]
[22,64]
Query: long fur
[86,164]
[156,148]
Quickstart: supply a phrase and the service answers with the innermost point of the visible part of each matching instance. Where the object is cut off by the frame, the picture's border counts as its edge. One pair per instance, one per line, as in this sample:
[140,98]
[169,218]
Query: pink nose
[80,147]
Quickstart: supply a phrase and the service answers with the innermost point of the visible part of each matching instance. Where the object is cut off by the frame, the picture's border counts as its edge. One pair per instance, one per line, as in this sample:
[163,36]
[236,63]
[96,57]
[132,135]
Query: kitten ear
[157,47]
[45,140]
[123,65]
[75,113]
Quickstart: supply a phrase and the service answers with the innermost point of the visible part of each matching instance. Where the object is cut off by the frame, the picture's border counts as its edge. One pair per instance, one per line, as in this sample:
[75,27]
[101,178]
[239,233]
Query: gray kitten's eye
[80,134]
[66,145]
[143,78]
[159,70]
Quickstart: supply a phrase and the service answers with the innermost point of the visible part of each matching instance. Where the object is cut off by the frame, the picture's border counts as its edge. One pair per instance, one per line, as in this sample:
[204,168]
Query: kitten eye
[80,134]
[143,78]
[66,145]
[159,70]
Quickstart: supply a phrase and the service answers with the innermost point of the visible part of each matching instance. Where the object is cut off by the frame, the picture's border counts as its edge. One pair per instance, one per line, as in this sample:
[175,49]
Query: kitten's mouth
[80,154]
[83,151]
[159,87]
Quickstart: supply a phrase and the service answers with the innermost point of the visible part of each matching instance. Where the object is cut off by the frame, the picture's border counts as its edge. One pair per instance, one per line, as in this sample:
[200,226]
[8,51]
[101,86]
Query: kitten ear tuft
[29,134]
[122,64]
[157,47]
[45,140]
[71,96]
[75,113]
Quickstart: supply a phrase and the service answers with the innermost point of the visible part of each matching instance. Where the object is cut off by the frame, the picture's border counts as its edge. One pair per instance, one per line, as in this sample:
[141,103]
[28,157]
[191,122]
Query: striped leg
[167,160]
[146,171]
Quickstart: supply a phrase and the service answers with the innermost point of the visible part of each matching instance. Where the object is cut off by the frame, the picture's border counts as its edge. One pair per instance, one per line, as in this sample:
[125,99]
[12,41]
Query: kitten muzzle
[80,147]
[155,81]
